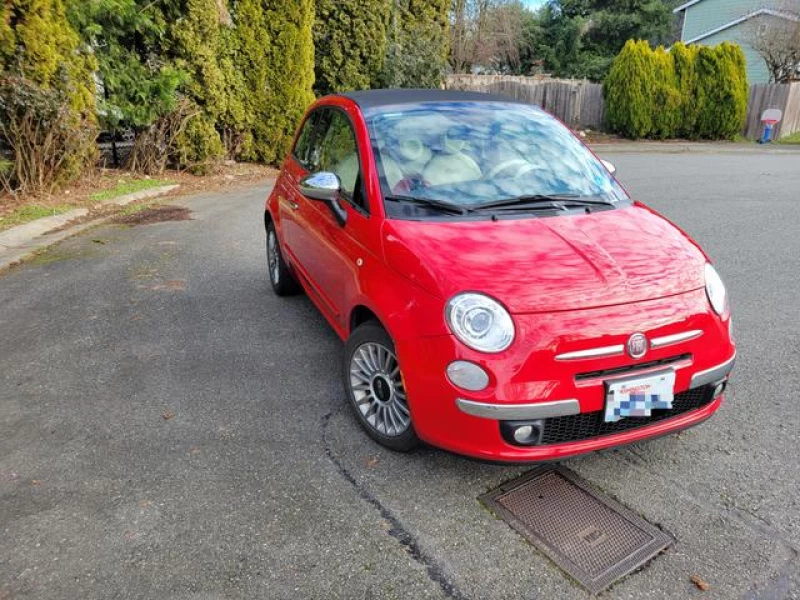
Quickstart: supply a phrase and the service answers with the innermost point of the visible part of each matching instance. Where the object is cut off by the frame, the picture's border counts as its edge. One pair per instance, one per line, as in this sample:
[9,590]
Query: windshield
[474,153]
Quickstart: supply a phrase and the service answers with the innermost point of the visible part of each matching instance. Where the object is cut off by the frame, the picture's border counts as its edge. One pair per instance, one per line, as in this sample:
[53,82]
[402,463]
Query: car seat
[453,165]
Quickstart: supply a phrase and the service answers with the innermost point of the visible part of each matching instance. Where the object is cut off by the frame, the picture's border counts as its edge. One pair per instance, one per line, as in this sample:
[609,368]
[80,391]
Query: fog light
[523,434]
[719,389]
[467,375]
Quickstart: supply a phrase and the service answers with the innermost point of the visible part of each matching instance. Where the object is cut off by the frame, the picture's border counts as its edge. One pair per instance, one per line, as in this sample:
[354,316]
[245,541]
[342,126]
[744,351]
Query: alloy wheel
[377,388]
[272,257]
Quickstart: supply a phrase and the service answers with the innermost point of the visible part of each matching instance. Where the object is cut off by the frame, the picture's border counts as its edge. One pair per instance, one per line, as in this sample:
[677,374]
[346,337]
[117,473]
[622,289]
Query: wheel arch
[361,314]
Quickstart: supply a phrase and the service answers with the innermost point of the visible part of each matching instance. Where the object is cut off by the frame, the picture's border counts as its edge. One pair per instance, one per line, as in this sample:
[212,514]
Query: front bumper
[531,381]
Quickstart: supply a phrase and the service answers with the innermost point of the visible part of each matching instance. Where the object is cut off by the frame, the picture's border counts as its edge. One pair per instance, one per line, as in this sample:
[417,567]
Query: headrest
[411,149]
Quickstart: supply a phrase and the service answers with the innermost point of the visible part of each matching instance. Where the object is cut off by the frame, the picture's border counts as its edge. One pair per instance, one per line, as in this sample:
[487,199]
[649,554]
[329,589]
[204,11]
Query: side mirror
[610,166]
[326,187]
[323,186]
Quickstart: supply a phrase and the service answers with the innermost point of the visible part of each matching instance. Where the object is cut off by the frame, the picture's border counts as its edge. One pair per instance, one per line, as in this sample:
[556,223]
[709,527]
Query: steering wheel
[522,166]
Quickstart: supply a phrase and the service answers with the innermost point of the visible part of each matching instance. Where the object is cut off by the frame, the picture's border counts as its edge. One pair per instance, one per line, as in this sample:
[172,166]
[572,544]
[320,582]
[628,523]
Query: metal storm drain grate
[592,537]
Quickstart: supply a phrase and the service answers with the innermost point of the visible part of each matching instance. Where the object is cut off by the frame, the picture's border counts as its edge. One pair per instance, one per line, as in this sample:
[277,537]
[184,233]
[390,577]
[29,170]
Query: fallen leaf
[167,414]
[99,241]
[194,450]
[372,461]
[35,482]
[701,584]
[145,503]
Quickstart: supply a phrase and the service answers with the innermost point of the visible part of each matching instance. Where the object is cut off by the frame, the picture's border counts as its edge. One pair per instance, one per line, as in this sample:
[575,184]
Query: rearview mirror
[610,166]
[325,186]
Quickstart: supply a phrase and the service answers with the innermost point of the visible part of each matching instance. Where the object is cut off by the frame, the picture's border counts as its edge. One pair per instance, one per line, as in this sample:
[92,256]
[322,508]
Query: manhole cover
[592,537]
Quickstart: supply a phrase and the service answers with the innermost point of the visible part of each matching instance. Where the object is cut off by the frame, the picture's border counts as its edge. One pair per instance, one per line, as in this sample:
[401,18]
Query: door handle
[292,205]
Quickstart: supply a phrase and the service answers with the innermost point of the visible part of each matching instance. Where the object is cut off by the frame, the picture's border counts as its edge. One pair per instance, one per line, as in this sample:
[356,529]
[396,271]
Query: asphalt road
[171,429]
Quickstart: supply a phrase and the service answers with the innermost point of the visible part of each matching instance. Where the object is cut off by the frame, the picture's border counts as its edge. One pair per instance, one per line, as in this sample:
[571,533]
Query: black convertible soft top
[376,98]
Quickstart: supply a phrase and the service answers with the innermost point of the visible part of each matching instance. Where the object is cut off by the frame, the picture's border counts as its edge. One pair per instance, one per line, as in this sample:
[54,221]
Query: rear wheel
[375,388]
[281,278]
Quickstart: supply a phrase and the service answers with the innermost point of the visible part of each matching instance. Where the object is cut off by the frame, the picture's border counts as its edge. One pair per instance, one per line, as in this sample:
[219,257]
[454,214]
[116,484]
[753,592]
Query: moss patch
[30,212]
[128,187]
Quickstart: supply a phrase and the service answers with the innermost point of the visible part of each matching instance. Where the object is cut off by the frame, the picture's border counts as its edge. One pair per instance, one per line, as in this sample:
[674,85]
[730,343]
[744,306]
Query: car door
[301,161]
[330,252]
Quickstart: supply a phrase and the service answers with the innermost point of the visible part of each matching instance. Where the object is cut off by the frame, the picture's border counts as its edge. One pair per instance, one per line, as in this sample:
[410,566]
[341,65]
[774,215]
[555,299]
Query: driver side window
[338,153]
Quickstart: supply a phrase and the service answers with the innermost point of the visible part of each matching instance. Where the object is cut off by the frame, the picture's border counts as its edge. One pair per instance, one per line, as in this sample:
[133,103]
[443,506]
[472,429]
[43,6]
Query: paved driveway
[170,429]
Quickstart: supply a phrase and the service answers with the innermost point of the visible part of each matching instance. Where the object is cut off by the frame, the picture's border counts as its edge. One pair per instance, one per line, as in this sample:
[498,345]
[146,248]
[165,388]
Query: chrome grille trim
[519,412]
[603,352]
[679,363]
[714,374]
[619,349]
[675,338]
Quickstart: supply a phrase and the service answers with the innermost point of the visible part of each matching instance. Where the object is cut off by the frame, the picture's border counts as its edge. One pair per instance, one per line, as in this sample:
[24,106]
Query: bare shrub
[50,142]
[156,145]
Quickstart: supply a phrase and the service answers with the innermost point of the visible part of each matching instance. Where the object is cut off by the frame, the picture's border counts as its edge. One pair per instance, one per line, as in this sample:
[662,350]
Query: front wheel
[281,278]
[375,390]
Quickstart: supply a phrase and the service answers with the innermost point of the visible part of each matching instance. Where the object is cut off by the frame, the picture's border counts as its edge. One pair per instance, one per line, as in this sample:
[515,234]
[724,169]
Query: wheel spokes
[385,411]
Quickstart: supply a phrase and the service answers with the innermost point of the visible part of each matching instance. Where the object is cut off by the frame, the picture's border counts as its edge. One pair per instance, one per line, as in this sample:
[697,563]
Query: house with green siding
[711,22]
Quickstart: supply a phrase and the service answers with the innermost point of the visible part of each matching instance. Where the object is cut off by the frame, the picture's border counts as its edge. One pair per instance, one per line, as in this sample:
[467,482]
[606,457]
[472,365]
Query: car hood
[549,264]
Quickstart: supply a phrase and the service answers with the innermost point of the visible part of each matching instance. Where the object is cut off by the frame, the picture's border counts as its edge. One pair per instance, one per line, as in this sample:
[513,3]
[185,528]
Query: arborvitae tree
[708,67]
[667,115]
[276,57]
[721,91]
[683,58]
[38,43]
[417,44]
[47,96]
[349,43]
[197,48]
[735,89]
[629,90]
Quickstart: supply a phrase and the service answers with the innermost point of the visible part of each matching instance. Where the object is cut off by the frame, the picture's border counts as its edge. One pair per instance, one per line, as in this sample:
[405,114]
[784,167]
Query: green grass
[128,187]
[31,212]
[791,139]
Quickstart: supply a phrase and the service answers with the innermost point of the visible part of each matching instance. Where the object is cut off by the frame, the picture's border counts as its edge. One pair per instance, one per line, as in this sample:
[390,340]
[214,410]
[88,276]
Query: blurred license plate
[639,396]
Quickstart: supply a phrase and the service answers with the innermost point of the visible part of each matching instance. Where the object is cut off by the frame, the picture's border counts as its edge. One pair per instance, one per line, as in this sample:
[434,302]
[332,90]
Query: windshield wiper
[438,204]
[541,201]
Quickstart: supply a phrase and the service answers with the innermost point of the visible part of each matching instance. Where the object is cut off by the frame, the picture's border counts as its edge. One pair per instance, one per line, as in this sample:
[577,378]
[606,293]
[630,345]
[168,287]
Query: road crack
[396,529]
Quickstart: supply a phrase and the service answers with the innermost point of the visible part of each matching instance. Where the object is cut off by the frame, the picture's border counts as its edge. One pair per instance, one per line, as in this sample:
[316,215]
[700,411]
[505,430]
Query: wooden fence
[580,103]
[784,96]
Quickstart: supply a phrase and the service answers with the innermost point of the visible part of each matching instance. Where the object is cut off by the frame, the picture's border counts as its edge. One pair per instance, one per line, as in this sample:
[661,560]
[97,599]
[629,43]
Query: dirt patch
[155,214]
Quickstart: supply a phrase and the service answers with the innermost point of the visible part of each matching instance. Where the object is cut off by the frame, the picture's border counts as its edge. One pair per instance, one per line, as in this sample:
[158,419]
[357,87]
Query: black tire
[281,278]
[384,419]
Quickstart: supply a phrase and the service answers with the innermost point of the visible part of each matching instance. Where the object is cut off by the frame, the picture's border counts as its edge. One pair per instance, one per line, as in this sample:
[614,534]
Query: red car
[500,294]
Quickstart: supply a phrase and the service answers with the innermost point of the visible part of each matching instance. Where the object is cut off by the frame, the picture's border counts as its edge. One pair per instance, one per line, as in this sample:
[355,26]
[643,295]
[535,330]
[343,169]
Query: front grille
[560,430]
[604,373]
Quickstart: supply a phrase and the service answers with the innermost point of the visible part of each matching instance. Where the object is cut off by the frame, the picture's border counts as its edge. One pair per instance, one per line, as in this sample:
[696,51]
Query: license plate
[639,396]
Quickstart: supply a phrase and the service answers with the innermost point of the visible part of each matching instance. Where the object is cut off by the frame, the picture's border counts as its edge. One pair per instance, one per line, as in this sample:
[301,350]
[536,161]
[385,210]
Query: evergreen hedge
[276,56]
[667,100]
[47,95]
[349,44]
[693,92]
[683,58]
[629,91]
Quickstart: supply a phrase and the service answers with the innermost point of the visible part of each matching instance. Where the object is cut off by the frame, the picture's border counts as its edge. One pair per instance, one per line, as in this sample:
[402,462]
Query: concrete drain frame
[591,536]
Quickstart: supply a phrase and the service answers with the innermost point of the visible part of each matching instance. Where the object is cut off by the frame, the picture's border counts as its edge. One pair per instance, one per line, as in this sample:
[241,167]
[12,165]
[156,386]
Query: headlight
[480,322]
[715,290]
